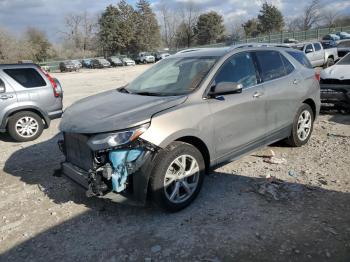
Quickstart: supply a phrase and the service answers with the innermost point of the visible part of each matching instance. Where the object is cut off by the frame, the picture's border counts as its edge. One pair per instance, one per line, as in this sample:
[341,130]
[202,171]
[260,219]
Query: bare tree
[329,17]
[189,13]
[311,15]
[80,30]
[169,20]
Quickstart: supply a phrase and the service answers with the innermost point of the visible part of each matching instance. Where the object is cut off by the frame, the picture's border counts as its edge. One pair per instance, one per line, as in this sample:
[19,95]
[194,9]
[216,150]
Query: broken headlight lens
[108,140]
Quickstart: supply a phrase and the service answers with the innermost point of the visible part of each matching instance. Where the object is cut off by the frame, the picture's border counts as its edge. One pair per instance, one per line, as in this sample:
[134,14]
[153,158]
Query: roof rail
[247,45]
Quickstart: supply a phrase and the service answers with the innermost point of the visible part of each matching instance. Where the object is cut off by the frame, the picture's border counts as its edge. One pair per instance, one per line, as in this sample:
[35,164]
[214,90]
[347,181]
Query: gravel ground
[248,210]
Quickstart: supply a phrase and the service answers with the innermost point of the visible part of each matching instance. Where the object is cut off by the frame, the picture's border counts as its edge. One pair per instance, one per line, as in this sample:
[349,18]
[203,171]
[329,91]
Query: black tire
[11,126]
[294,140]
[162,162]
[330,62]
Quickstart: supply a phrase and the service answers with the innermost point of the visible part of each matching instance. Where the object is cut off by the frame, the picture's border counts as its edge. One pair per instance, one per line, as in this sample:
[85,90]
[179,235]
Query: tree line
[126,29]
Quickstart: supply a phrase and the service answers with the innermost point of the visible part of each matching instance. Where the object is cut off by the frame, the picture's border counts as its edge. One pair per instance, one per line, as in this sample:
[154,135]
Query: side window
[289,68]
[238,69]
[27,77]
[270,64]
[317,47]
[301,58]
[309,47]
[344,44]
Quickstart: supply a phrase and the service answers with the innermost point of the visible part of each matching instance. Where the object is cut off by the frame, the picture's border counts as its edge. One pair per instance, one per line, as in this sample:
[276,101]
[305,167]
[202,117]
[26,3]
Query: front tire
[25,126]
[177,176]
[302,126]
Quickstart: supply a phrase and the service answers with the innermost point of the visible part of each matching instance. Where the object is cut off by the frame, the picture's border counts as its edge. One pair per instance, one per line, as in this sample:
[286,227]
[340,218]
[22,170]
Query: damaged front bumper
[336,94]
[123,170]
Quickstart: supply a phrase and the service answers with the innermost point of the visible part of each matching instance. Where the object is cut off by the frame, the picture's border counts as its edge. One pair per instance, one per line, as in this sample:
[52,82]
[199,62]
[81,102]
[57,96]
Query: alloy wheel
[304,125]
[27,126]
[181,179]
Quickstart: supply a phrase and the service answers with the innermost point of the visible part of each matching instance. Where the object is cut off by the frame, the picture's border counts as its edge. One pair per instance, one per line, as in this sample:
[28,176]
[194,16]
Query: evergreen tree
[270,19]
[209,28]
[147,31]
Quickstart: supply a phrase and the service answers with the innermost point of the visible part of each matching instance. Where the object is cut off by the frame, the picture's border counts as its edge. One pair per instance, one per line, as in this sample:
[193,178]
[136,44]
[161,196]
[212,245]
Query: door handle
[257,95]
[296,81]
[4,97]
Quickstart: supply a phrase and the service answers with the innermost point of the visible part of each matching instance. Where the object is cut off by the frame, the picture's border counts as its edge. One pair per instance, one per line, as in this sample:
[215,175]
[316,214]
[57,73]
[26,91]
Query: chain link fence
[312,34]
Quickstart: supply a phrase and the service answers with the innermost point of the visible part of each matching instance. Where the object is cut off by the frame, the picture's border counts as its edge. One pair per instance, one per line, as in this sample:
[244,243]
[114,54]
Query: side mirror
[309,50]
[225,88]
[2,87]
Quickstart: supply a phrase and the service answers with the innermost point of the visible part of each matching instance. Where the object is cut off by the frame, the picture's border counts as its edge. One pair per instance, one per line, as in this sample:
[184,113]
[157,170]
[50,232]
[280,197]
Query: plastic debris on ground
[275,160]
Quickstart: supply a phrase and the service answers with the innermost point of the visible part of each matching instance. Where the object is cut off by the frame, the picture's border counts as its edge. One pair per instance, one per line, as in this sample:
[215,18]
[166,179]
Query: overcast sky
[48,15]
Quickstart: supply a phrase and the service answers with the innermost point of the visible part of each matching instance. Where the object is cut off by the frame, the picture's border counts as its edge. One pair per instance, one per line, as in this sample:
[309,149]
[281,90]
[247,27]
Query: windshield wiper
[147,93]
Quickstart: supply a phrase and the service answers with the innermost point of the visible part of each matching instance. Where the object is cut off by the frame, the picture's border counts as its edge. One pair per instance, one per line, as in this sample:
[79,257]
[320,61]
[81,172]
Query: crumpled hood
[340,72]
[112,110]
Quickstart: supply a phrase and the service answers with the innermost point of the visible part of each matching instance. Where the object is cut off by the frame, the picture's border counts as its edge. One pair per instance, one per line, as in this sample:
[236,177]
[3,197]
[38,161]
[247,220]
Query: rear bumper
[55,114]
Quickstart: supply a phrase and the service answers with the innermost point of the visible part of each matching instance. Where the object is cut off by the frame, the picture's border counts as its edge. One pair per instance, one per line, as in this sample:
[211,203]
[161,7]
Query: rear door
[8,98]
[239,120]
[281,81]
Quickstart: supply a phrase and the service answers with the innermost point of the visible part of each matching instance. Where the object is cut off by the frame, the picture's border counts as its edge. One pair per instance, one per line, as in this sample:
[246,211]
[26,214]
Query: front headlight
[108,140]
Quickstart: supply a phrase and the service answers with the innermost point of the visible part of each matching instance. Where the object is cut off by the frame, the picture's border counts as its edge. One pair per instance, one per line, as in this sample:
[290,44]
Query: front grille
[331,81]
[78,152]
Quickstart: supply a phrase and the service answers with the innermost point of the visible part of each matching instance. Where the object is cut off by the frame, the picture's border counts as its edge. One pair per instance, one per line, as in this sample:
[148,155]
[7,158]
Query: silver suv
[159,135]
[29,99]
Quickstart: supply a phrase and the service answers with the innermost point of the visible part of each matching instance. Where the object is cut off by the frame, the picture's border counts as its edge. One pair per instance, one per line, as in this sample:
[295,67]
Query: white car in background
[335,84]
[128,61]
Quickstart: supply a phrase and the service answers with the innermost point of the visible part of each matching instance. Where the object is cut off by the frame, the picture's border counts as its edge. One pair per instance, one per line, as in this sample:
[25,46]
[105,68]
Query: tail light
[52,81]
[317,76]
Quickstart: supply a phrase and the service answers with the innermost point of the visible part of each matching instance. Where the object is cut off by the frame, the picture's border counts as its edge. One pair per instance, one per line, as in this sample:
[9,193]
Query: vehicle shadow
[341,119]
[234,218]
[4,137]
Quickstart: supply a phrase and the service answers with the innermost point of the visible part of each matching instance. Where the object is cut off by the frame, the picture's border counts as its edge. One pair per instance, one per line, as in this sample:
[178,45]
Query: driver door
[239,120]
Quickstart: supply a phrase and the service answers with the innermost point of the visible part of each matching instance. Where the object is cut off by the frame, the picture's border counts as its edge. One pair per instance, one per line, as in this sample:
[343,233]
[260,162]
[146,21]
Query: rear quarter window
[301,58]
[27,77]
[270,65]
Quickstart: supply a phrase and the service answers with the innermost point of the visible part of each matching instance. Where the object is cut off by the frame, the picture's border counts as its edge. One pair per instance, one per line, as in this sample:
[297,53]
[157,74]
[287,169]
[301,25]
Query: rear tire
[302,127]
[25,126]
[177,176]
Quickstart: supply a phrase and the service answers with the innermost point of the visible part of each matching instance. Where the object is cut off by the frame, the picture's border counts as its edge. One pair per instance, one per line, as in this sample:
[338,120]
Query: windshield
[173,76]
[345,60]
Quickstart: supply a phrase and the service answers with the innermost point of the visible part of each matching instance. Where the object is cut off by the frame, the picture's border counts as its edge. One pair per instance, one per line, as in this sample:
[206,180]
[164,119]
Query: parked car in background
[343,47]
[290,41]
[86,63]
[332,37]
[128,61]
[317,55]
[144,58]
[160,56]
[157,137]
[343,35]
[25,62]
[29,99]
[115,61]
[77,64]
[100,63]
[67,66]
[335,84]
